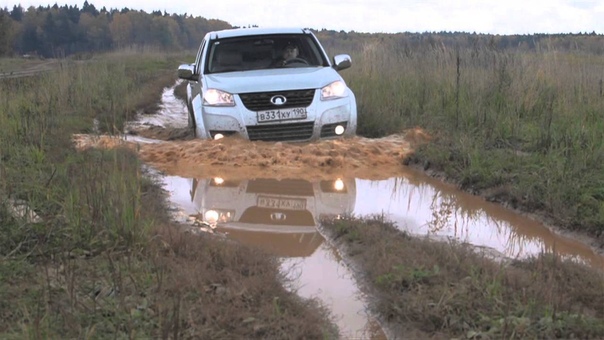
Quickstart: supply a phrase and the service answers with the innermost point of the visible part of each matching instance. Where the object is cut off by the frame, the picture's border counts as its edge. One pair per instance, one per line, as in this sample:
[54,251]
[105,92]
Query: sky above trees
[481,16]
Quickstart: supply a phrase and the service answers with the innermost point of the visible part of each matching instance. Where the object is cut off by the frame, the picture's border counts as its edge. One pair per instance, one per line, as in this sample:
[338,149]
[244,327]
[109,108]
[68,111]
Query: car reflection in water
[279,216]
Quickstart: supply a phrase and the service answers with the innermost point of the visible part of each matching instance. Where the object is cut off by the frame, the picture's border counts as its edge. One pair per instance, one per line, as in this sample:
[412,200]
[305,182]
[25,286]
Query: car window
[262,52]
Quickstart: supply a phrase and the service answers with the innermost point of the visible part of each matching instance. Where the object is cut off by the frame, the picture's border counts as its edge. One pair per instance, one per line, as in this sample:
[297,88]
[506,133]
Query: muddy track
[32,69]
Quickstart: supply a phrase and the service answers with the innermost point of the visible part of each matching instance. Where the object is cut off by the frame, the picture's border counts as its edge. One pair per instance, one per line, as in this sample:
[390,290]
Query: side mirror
[187,72]
[341,62]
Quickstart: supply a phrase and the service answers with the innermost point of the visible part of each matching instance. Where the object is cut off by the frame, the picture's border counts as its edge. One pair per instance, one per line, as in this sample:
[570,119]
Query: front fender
[352,129]
[200,128]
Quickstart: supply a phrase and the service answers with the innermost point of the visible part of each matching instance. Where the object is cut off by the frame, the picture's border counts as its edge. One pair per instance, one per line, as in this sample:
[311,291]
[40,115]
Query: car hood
[272,79]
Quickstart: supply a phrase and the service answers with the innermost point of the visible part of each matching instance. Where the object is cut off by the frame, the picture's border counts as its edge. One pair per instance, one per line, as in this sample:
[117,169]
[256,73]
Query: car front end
[308,104]
[238,89]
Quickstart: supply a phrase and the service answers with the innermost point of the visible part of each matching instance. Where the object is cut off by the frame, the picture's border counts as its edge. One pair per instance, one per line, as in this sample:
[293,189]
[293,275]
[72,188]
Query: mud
[240,159]
[160,133]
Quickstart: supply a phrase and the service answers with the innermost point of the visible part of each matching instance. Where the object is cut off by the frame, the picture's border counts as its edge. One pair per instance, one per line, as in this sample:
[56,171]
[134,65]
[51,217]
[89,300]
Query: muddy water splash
[354,157]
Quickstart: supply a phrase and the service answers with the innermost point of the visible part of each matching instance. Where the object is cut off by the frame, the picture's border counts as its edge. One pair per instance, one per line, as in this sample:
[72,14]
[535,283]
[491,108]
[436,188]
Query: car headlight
[338,185]
[215,216]
[335,90]
[214,97]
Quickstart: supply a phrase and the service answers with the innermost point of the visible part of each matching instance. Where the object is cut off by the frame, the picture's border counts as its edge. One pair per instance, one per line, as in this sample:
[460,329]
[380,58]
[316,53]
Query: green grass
[89,203]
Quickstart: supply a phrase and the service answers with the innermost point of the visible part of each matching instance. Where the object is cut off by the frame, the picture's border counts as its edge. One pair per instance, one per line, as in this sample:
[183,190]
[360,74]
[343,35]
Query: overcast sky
[481,16]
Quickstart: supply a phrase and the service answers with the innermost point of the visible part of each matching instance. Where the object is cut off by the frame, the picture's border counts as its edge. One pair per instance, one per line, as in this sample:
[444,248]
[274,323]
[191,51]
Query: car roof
[239,32]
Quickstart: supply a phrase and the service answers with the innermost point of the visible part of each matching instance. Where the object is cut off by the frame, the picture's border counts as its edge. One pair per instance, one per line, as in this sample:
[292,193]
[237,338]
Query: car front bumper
[323,116]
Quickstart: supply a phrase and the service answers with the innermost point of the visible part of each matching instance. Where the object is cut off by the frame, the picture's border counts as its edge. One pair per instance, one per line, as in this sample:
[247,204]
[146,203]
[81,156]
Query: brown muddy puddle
[281,216]
[274,195]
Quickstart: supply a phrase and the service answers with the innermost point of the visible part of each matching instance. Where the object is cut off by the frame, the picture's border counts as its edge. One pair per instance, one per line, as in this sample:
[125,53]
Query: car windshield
[264,52]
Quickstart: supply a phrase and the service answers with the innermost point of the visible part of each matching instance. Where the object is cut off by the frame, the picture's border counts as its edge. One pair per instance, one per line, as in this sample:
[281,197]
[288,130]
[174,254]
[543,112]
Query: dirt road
[26,68]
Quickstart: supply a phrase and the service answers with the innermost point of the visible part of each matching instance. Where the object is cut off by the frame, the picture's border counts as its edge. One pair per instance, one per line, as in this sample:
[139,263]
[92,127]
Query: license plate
[281,203]
[282,114]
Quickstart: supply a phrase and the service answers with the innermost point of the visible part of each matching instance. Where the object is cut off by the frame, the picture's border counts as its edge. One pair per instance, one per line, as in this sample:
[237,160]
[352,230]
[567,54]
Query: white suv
[241,84]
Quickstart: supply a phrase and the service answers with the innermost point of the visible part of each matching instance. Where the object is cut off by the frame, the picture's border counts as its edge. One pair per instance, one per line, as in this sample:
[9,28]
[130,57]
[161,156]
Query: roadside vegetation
[87,248]
[519,127]
[427,289]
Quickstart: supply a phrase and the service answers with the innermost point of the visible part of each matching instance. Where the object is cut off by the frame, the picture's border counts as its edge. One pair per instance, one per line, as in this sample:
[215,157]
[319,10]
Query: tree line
[418,42]
[58,31]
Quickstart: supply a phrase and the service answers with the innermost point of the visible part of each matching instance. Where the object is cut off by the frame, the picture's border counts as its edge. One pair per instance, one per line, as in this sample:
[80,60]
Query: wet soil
[164,134]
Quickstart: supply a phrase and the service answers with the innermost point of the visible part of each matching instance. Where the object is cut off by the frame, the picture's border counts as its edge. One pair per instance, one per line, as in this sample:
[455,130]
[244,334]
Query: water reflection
[422,205]
[278,215]
[281,216]
[287,211]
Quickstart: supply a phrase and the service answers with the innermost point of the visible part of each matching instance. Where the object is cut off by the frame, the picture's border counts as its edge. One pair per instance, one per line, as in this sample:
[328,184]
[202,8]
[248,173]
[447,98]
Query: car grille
[293,187]
[281,132]
[328,130]
[262,100]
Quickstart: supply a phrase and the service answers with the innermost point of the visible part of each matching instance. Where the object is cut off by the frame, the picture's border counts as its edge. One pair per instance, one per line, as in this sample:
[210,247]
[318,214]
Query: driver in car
[289,53]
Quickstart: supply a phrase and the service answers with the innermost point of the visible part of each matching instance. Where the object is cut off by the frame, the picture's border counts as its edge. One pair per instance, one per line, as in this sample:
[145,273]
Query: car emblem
[278,100]
[278,216]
